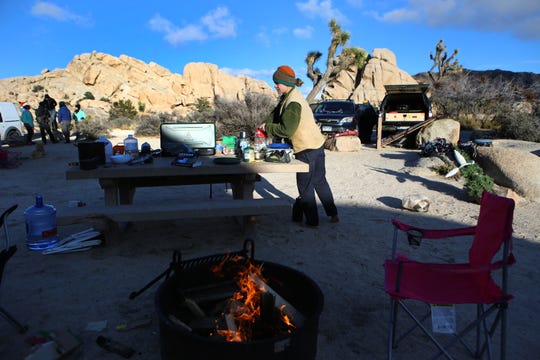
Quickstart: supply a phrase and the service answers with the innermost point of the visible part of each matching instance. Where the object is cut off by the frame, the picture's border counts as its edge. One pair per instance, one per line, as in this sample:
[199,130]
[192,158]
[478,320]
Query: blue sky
[254,37]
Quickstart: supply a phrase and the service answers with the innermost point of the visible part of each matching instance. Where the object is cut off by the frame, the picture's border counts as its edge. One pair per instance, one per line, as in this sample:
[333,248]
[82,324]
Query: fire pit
[202,312]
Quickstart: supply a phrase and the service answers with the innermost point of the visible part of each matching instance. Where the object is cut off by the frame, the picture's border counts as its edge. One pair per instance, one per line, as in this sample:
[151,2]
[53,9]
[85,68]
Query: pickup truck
[404,106]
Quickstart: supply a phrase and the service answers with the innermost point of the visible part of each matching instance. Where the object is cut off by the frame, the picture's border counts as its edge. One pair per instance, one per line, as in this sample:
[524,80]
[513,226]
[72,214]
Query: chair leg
[392,327]
[22,328]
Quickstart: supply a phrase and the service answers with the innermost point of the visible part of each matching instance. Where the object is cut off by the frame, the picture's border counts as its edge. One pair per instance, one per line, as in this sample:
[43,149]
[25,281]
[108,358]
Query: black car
[335,116]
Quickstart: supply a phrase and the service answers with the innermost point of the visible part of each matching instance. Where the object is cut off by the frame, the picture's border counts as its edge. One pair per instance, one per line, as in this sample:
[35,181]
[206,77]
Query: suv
[404,106]
[334,116]
[10,123]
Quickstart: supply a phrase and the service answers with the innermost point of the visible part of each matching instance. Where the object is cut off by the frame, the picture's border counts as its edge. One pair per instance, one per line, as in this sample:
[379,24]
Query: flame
[244,308]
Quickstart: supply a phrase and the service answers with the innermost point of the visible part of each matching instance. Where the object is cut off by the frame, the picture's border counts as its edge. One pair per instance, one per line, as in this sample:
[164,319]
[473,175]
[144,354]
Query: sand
[72,291]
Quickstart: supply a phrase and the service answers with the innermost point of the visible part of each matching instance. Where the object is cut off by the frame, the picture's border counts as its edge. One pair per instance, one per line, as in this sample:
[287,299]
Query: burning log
[283,305]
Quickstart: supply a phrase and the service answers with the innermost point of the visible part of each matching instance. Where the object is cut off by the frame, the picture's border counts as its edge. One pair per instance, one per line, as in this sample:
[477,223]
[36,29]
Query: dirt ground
[75,291]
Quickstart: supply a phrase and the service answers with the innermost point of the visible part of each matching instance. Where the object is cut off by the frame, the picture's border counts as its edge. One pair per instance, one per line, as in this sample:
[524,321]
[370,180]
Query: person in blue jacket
[28,122]
[64,119]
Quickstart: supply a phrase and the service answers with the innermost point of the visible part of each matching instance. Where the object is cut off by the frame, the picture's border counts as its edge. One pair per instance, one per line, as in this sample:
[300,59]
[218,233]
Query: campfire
[230,305]
[237,306]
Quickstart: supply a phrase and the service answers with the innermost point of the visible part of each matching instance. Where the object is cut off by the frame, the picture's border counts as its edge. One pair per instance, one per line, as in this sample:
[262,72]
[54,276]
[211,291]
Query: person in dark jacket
[51,106]
[42,117]
[64,118]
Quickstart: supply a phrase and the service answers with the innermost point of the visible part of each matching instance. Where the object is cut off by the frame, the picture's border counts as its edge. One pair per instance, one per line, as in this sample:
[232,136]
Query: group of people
[49,120]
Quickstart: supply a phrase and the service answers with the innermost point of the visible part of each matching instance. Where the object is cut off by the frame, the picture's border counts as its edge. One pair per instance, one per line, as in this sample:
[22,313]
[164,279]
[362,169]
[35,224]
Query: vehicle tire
[13,136]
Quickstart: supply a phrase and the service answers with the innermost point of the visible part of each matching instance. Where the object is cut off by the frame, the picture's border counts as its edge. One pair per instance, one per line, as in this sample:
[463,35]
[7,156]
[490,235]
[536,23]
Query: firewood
[296,318]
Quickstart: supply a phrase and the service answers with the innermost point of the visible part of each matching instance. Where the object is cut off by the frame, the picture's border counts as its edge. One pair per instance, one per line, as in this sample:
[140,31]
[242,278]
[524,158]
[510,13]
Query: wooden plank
[399,135]
[172,211]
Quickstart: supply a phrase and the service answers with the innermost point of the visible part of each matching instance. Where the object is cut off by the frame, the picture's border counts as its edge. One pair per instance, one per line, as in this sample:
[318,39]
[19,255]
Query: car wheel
[13,136]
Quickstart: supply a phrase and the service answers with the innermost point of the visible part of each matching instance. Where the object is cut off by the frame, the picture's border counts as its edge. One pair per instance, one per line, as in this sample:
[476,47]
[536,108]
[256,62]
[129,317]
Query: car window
[335,108]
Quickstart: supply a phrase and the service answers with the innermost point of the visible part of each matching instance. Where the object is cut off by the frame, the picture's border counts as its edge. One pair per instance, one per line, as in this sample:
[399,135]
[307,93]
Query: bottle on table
[131,146]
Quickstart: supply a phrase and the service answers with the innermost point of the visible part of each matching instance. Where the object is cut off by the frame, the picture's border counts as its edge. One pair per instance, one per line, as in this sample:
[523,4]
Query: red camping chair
[407,280]
[5,255]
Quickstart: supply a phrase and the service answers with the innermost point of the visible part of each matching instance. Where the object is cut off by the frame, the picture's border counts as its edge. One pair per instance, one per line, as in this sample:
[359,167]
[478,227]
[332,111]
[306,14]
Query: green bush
[123,108]
[476,181]
[142,106]
[88,95]
[37,88]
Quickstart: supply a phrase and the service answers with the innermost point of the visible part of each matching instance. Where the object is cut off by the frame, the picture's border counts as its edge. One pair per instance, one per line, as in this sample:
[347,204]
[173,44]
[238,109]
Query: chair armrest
[434,233]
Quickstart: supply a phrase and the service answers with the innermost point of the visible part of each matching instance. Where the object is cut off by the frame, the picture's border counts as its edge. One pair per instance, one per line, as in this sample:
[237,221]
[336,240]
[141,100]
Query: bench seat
[106,218]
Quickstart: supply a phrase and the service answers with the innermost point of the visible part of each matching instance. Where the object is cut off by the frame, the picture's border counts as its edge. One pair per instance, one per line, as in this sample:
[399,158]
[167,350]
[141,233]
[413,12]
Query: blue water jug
[41,232]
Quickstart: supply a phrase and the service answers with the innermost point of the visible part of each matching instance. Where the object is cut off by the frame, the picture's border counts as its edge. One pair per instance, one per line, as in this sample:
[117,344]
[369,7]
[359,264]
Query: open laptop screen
[201,137]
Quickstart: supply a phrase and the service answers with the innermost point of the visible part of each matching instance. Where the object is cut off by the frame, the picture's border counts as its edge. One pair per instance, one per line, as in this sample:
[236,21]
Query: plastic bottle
[108,148]
[242,143]
[40,219]
[260,140]
[131,146]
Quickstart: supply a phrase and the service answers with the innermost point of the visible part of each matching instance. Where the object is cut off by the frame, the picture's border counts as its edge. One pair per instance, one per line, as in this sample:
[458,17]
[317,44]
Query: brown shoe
[334,219]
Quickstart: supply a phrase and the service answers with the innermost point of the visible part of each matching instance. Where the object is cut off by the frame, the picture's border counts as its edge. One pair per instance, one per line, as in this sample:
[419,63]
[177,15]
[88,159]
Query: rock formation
[380,70]
[109,79]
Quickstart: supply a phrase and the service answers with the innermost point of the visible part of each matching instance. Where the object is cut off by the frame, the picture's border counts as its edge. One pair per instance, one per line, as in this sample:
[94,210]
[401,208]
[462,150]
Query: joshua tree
[334,63]
[443,63]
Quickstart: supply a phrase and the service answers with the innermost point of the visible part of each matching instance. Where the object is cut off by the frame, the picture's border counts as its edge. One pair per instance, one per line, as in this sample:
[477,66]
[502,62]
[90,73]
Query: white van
[10,122]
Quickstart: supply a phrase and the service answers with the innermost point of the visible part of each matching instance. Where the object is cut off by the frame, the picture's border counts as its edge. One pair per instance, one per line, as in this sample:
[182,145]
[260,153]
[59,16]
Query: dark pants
[44,129]
[66,130]
[30,135]
[314,181]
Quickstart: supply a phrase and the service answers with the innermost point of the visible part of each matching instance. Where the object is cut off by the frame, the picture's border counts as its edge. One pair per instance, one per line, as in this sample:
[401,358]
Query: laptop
[200,137]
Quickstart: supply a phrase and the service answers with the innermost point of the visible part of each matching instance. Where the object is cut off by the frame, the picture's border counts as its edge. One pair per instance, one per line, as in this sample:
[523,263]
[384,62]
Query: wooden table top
[163,167]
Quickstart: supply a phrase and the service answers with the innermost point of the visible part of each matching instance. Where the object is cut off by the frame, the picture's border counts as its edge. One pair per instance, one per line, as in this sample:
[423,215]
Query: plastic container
[131,146]
[108,148]
[41,231]
[243,143]
[260,140]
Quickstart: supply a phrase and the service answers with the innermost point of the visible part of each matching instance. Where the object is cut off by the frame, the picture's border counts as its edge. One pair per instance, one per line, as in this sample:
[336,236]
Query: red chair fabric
[462,283]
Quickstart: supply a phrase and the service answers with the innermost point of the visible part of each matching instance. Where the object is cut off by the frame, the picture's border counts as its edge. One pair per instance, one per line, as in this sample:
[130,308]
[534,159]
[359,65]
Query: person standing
[42,117]
[64,118]
[78,116]
[28,122]
[293,119]
[51,106]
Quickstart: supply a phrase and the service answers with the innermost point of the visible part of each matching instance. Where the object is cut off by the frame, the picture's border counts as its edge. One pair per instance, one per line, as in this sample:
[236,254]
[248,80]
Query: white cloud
[216,24]
[303,33]
[47,9]
[220,23]
[322,9]
[256,74]
[266,37]
[521,18]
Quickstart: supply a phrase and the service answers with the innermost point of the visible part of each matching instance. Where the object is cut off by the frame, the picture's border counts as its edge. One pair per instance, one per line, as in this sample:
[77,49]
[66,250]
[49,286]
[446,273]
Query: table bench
[107,218]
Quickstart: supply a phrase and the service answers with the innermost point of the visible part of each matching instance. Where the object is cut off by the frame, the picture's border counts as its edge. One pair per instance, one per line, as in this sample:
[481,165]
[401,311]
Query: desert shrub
[141,106]
[148,125]
[92,129]
[123,109]
[121,123]
[105,99]
[203,106]
[88,95]
[488,103]
[519,125]
[37,88]
[476,181]
[233,116]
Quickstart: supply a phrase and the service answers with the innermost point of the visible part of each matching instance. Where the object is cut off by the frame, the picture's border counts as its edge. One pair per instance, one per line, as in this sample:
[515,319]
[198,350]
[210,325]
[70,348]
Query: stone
[442,128]
[343,143]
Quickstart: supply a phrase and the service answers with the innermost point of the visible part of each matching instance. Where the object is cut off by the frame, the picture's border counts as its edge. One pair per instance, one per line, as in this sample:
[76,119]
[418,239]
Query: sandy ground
[70,291]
